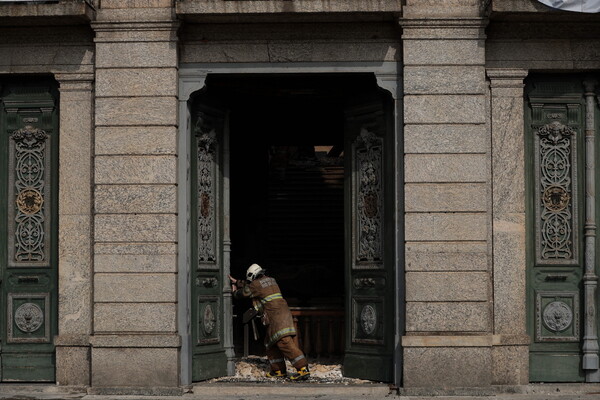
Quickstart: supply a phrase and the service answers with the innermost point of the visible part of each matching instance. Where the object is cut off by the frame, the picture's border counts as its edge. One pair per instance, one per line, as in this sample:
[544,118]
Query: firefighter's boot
[301,374]
[276,374]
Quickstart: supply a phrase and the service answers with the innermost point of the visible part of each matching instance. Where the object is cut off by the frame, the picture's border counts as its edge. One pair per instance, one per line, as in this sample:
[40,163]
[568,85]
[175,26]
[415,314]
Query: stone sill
[51,13]
[225,7]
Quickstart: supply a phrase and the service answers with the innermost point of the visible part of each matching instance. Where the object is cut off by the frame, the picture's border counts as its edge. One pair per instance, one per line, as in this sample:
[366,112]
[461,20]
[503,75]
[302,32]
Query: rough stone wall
[135,342]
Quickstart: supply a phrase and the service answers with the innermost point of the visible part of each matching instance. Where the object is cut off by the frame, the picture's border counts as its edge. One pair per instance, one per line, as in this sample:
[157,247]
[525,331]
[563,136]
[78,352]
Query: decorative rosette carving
[29,317]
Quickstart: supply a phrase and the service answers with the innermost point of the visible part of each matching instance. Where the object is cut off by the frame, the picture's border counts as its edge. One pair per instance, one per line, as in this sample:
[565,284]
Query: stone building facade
[468,209]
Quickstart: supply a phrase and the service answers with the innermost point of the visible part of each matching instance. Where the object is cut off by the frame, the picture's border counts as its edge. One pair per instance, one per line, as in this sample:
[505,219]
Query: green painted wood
[211,298]
[369,197]
[554,283]
[28,295]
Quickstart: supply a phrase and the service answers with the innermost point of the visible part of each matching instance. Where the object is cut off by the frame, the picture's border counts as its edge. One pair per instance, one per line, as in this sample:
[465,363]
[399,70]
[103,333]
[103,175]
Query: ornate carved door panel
[555,138]
[369,239]
[211,298]
[28,259]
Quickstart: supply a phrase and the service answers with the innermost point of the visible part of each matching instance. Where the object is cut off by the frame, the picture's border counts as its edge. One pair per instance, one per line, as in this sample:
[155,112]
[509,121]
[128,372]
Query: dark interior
[287,182]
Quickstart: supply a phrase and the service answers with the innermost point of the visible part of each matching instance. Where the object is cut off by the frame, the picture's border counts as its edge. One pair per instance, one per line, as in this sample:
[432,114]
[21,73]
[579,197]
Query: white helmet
[254,271]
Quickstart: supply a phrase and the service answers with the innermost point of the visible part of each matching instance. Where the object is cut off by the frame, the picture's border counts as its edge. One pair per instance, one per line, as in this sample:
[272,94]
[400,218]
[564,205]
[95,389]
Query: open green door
[28,259]
[211,293]
[369,199]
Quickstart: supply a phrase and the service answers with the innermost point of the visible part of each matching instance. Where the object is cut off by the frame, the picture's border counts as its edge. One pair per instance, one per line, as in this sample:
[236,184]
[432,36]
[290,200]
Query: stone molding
[198,7]
[128,340]
[144,31]
[465,341]
[443,28]
[75,340]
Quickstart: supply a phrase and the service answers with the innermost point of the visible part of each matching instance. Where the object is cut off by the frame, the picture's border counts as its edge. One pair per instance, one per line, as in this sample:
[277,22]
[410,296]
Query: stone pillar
[135,347]
[447,196]
[75,233]
[511,351]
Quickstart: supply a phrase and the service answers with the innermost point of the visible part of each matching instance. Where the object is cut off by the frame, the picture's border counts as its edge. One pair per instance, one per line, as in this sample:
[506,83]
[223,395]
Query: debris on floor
[254,368]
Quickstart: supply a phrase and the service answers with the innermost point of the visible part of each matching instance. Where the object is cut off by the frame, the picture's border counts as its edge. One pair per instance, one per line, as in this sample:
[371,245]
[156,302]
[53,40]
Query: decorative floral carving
[209,321]
[369,159]
[362,283]
[207,159]
[209,282]
[556,131]
[29,317]
[557,316]
[368,319]
[30,184]
[555,175]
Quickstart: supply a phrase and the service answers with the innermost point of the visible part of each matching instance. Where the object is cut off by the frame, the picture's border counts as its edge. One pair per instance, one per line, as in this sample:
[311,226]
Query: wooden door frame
[192,78]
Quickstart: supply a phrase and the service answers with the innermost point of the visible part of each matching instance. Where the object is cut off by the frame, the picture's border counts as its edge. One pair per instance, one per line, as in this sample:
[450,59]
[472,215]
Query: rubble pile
[254,368]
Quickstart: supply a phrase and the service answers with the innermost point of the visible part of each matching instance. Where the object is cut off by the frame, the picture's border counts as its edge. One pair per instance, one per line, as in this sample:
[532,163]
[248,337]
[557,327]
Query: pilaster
[447,197]
[75,238]
[590,279]
[511,356]
[135,200]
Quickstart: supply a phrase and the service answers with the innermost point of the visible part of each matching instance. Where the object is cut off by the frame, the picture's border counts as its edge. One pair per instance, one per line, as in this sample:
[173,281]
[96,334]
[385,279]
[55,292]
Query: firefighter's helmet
[253,272]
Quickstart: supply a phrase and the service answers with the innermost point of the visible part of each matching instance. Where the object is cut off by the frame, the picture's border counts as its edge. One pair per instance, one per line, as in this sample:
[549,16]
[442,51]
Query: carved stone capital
[75,82]
[590,85]
[507,78]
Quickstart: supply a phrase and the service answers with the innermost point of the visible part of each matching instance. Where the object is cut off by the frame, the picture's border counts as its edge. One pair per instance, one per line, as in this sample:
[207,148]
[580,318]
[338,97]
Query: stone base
[146,368]
[447,367]
[510,365]
[459,362]
[73,366]
[72,360]
[435,392]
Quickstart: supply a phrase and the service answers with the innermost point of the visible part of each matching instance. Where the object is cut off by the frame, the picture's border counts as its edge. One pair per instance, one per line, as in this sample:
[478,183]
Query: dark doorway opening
[287,194]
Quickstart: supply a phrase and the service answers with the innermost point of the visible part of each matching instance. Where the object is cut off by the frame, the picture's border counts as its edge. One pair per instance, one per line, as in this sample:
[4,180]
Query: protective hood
[586,6]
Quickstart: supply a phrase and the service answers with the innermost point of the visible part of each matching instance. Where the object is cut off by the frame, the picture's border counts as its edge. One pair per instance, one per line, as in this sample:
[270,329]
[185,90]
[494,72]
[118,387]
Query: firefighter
[277,318]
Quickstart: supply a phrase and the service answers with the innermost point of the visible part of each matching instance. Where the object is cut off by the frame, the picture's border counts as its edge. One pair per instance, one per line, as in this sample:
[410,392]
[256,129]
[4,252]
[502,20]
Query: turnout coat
[268,301]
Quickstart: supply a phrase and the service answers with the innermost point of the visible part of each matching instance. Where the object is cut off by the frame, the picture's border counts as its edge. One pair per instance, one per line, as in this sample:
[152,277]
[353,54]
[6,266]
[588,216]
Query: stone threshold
[288,388]
[202,391]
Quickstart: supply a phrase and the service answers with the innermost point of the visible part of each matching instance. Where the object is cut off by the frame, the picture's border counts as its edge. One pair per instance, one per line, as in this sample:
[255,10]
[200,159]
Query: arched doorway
[296,172]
